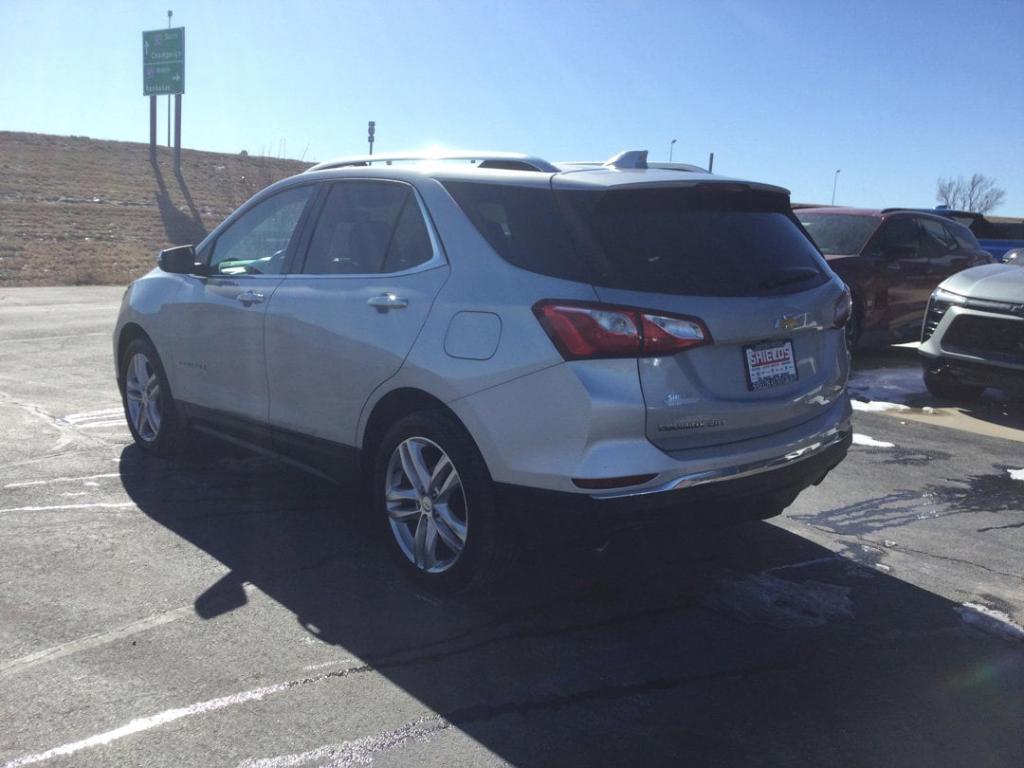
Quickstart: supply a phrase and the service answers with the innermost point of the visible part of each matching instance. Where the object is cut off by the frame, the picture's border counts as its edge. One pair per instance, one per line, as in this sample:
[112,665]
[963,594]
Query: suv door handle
[388,301]
[250,297]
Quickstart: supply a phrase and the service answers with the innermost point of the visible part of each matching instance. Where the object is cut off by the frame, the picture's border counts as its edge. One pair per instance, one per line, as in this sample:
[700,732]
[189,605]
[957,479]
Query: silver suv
[490,339]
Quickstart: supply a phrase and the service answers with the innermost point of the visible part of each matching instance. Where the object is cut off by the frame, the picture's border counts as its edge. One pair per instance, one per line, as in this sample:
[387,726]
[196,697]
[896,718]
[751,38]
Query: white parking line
[104,414]
[55,338]
[29,483]
[58,507]
[8,668]
[357,751]
[170,715]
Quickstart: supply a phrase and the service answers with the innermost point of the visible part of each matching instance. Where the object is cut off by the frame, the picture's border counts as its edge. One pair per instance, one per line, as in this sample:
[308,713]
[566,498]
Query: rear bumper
[722,496]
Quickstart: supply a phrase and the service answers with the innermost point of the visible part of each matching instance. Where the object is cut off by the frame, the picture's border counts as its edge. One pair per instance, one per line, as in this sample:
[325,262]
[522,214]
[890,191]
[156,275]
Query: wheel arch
[396,405]
[129,333]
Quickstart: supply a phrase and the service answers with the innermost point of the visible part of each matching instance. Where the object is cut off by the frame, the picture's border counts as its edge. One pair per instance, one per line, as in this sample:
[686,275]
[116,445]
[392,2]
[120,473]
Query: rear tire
[943,385]
[435,500]
[146,396]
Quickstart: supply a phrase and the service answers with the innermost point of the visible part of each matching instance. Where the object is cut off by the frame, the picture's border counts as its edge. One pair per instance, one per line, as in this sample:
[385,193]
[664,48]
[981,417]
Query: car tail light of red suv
[587,331]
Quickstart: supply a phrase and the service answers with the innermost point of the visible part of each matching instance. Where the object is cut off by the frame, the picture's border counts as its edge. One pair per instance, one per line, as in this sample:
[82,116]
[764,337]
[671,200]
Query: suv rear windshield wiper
[789,276]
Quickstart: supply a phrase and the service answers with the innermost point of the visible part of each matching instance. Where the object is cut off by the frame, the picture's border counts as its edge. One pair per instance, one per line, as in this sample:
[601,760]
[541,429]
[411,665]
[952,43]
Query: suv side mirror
[178,261]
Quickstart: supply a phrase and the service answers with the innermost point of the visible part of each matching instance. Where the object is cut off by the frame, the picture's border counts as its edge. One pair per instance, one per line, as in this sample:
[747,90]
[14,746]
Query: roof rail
[501,160]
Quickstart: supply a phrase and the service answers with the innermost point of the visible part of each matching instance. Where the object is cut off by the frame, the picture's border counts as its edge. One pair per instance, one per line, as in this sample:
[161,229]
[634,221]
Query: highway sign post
[163,72]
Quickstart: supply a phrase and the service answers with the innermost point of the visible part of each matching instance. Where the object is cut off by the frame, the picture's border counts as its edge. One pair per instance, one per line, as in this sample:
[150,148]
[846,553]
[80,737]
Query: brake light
[843,309]
[581,330]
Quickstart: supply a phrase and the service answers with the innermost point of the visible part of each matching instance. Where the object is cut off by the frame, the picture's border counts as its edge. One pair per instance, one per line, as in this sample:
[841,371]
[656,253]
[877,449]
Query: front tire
[943,385]
[435,498]
[146,397]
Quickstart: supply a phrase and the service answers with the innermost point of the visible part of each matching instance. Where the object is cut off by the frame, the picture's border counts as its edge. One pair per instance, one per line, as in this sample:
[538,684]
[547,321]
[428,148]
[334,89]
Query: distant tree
[978,194]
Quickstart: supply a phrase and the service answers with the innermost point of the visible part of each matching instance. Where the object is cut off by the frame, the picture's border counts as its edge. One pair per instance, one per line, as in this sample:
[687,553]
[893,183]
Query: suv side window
[936,239]
[257,242]
[964,237]
[410,243]
[899,233]
[368,227]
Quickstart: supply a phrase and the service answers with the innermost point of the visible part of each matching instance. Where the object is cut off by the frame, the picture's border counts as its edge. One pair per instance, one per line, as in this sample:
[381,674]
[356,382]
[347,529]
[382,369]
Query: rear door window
[936,238]
[964,237]
[900,235]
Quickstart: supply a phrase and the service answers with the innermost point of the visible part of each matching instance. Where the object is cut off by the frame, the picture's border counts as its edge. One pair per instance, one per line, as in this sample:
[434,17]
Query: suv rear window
[705,240]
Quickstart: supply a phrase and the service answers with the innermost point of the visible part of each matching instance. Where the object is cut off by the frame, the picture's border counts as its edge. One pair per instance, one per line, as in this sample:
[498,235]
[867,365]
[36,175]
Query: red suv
[892,260]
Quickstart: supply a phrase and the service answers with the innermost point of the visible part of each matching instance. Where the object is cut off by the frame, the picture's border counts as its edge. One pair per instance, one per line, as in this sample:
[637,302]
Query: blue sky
[894,93]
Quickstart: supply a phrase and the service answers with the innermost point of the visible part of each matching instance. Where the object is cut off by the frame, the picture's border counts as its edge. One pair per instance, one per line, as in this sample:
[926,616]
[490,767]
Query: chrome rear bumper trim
[798,452]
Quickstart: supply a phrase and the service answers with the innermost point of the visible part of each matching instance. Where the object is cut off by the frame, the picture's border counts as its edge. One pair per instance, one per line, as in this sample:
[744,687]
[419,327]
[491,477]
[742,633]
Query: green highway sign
[163,61]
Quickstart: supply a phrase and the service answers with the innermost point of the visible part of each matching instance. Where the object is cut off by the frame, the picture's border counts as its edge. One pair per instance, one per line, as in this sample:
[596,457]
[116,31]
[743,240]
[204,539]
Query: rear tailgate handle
[388,301]
[250,297]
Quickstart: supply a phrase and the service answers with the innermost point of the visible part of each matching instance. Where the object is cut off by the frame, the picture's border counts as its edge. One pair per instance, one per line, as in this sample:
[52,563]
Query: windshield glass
[836,233]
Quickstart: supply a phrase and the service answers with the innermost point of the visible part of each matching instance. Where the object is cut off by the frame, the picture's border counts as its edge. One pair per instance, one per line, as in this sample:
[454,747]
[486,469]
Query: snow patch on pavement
[1016,474]
[990,621]
[877,406]
[870,442]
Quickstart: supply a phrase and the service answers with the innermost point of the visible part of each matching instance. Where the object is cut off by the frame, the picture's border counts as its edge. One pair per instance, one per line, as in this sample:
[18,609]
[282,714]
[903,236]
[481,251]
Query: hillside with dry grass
[78,211]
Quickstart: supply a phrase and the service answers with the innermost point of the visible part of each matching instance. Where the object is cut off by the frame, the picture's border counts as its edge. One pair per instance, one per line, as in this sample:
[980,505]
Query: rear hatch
[731,256]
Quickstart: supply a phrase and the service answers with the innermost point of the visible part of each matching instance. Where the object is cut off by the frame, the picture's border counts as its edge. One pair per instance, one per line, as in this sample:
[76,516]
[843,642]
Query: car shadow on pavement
[748,647]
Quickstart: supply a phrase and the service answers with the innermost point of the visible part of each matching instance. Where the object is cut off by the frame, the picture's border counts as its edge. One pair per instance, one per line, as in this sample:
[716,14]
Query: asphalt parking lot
[226,610]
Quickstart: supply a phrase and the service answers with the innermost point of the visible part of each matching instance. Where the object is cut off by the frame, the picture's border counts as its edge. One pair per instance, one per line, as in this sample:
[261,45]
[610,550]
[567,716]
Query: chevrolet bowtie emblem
[791,322]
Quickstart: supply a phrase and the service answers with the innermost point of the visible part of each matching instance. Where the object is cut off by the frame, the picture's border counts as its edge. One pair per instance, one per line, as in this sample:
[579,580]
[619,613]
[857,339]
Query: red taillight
[582,330]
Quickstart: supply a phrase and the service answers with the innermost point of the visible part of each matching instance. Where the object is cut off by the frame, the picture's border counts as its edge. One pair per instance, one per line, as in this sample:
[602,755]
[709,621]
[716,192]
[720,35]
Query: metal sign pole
[169,14]
[152,127]
[177,133]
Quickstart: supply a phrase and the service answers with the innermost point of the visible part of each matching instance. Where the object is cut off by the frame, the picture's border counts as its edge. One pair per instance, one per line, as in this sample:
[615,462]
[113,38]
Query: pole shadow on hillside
[181,228]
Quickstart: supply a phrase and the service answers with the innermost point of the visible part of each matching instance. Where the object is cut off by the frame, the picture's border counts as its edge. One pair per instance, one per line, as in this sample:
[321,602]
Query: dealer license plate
[770,364]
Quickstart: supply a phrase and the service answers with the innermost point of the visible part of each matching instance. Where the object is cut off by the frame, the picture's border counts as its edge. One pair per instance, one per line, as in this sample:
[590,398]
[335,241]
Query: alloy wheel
[142,391]
[426,505]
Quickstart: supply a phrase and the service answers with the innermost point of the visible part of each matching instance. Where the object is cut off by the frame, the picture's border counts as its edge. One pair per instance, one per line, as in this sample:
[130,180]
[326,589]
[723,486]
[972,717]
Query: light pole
[671,146]
[835,181]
